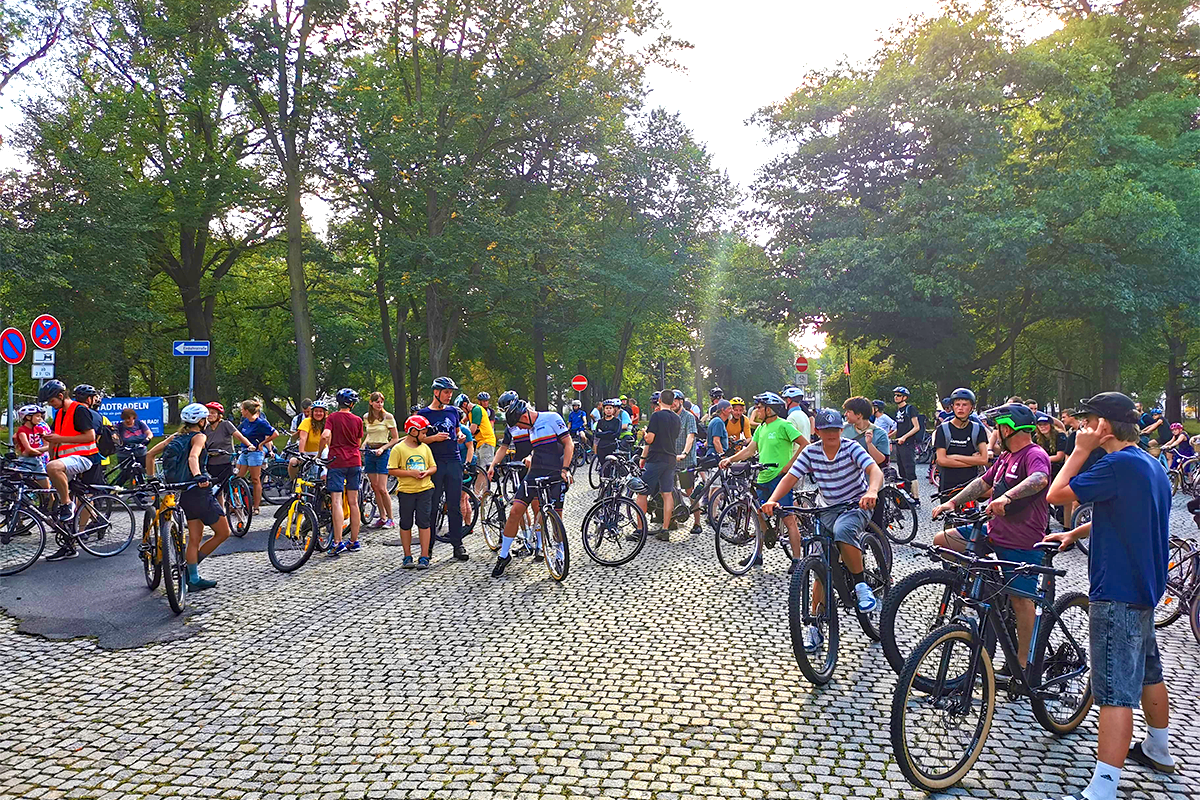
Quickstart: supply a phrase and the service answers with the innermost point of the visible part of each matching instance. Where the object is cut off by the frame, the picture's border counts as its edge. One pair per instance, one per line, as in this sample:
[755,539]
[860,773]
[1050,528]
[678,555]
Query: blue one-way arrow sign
[193,348]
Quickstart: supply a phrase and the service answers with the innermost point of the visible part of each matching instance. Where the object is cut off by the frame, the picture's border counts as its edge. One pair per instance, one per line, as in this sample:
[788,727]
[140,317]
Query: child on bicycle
[185,459]
[411,463]
[31,446]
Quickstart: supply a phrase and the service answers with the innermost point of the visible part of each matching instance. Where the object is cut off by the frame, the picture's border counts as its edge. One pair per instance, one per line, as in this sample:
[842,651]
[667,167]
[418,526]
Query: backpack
[106,436]
[175,458]
[976,428]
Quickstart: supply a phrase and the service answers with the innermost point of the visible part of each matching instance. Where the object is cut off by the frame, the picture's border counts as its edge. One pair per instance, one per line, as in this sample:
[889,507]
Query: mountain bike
[128,471]
[614,530]
[814,600]
[276,482]
[940,722]
[742,531]
[305,523]
[899,512]
[1183,580]
[163,548]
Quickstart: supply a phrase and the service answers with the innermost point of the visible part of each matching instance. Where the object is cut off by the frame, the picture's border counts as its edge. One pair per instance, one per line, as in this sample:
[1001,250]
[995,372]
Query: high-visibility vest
[64,425]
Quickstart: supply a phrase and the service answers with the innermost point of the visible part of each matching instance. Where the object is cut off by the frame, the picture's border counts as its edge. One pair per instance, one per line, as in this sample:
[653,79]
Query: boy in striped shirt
[844,473]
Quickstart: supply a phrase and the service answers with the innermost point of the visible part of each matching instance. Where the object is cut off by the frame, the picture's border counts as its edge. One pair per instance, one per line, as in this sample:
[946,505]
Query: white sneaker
[866,598]
[812,639]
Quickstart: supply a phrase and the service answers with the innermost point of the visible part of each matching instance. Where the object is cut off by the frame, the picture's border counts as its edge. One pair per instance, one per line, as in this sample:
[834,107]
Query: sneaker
[663,535]
[632,536]
[63,553]
[336,550]
[757,561]
[423,562]
[460,552]
[200,584]
[866,598]
[377,524]
[391,523]
[697,530]
[812,639]
[408,563]
[501,563]
[354,547]
[65,513]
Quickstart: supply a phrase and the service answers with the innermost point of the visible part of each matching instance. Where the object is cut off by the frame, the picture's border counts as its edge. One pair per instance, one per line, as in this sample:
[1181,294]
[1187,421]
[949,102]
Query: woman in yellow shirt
[379,437]
[312,435]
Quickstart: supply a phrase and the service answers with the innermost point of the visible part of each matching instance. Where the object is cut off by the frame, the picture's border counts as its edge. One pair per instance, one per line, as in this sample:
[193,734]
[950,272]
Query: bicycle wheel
[1063,647]
[716,504]
[1082,515]
[919,603]
[22,539]
[739,538]
[1180,575]
[293,538]
[817,658]
[239,506]
[938,733]
[150,552]
[614,531]
[899,515]
[276,484]
[104,524]
[594,469]
[555,551]
[877,574]
[368,509]
[1176,479]
[1194,616]
[492,524]
[472,517]
[171,531]
[578,457]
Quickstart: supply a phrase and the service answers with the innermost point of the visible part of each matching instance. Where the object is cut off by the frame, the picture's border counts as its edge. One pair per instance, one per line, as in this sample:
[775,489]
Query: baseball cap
[828,418]
[1112,406]
[720,406]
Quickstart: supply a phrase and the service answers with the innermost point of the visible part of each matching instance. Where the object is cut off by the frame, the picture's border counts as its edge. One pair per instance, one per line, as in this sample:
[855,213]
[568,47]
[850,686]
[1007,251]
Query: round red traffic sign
[12,346]
[801,364]
[579,383]
[45,332]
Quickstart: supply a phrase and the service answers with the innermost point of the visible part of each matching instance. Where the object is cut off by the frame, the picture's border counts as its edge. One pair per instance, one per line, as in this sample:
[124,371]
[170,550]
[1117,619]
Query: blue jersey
[443,420]
[577,420]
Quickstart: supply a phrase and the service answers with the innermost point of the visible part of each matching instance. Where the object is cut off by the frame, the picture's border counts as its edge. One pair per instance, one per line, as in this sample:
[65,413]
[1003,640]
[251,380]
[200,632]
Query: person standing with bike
[659,457]
[259,433]
[382,436]
[411,463]
[960,443]
[442,438]
[908,427]
[345,470]
[184,461]
[219,434]
[1127,571]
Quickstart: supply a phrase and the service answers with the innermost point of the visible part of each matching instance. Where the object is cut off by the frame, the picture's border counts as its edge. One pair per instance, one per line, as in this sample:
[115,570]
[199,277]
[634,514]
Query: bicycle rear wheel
[938,733]
[368,509]
[171,532]
[150,552]
[919,603]
[899,515]
[738,538]
[276,484]
[22,539]
[1063,646]
[1176,479]
[877,574]
[104,524]
[239,506]
[817,658]
[293,538]
[594,469]
[492,524]
[614,531]
[1194,616]
[555,550]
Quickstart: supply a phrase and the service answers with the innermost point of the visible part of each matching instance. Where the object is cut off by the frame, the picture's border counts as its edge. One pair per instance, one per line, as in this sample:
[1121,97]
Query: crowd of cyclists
[1013,460]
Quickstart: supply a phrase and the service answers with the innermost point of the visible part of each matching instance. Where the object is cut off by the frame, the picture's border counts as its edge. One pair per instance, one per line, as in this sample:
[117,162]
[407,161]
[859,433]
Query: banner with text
[150,410]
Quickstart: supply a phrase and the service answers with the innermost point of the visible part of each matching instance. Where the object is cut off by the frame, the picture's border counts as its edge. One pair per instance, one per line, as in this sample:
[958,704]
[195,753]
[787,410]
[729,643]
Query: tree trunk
[541,386]
[414,355]
[622,352]
[198,312]
[402,403]
[393,348]
[441,328]
[1176,353]
[298,294]
[1110,359]
[700,397]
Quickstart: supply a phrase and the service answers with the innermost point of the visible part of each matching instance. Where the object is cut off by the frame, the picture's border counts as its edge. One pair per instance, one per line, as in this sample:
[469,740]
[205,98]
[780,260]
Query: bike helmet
[737,401]
[613,402]
[655,397]
[636,484]
[193,413]
[793,393]
[901,390]
[576,404]
[320,403]
[84,390]
[771,401]
[962,393]
[1175,426]
[215,406]
[677,395]
[1014,415]
[945,402]
[459,399]
[444,383]
[51,388]
[483,397]
[28,411]
[513,413]
[415,421]
[414,408]
[878,403]
[347,397]
[507,399]
[1156,410]
[716,392]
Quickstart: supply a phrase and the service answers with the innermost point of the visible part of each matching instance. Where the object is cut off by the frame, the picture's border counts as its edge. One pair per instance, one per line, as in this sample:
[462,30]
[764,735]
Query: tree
[28,29]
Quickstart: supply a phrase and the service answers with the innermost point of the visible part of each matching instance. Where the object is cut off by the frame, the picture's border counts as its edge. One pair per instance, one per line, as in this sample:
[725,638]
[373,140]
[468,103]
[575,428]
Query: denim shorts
[373,464]
[1123,652]
[341,479]
[765,490]
[848,525]
[659,477]
[251,458]
[1025,583]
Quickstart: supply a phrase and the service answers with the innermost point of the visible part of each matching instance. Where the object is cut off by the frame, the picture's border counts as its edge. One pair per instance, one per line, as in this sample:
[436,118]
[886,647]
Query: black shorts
[199,503]
[220,472]
[527,491]
[906,460]
[415,504]
[687,479]
[659,477]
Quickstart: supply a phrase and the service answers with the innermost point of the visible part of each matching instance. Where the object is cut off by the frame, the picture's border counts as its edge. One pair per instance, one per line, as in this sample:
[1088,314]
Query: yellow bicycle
[306,522]
[164,541]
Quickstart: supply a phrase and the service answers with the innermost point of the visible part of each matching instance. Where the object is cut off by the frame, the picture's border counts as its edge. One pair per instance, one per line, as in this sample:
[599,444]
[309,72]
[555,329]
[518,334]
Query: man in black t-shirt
[658,460]
[961,443]
[908,427]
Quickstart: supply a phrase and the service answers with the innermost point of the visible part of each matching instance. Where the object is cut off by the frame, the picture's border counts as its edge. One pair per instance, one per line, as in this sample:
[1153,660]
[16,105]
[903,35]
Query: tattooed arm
[972,491]
[1036,482]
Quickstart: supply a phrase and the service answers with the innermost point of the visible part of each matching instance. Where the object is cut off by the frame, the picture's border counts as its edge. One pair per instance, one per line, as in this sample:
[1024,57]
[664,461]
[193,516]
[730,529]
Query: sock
[1104,782]
[193,573]
[1155,745]
[856,578]
[506,545]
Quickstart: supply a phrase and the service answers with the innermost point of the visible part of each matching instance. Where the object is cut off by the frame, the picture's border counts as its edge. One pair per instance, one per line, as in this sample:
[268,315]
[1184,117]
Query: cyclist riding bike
[1016,482]
[577,421]
[1179,447]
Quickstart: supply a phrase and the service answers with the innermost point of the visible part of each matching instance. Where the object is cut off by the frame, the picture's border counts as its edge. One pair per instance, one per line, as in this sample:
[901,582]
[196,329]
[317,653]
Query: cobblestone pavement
[664,678]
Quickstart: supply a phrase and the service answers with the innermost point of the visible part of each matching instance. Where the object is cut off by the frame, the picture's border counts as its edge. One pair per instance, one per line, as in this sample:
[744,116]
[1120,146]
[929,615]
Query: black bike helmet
[84,390]
[1014,415]
[513,413]
[716,392]
[962,394]
[507,399]
[444,383]
[51,388]
[347,397]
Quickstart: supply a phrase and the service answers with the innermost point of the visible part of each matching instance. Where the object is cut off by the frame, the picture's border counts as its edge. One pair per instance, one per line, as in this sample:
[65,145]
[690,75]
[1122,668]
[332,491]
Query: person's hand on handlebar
[724,464]
[867,501]
[770,507]
[203,480]
[942,509]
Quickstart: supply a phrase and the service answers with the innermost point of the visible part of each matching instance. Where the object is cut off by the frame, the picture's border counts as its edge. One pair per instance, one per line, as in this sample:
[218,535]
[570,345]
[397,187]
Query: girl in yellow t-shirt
[411,463]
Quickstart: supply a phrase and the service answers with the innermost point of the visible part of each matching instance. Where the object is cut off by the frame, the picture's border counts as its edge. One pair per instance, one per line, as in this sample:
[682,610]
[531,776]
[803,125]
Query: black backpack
[106,436]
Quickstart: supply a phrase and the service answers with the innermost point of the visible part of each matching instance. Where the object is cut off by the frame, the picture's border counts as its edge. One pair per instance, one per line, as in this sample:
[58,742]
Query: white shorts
[76,465]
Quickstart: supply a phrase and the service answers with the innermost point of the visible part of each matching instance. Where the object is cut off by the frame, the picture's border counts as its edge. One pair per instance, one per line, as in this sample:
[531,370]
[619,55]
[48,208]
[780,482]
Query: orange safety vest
[64,425]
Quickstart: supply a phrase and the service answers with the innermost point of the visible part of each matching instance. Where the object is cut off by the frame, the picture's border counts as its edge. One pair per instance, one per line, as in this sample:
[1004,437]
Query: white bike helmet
[193,413]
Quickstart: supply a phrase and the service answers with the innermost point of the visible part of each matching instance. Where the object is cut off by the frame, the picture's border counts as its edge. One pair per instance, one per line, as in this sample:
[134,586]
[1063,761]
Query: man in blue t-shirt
[1127,570]
[442,436]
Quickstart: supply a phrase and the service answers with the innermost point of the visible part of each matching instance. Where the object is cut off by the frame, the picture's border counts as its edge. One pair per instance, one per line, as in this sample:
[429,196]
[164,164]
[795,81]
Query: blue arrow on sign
[195,348]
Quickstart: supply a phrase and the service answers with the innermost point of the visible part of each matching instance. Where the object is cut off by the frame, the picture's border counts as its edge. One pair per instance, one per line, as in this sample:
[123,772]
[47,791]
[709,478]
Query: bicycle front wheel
[938,733]
[1180,575]
[22,539]
[150,552]
[104,524]
[921,602]
[877,574]
[293,538]
[739,538]
[171,534]
[494,517]
[555,551]
[813,620]
[899,515]
[239,506]
[1063,646]
[594,468]
[614,531]
[1194,616]
[368,509]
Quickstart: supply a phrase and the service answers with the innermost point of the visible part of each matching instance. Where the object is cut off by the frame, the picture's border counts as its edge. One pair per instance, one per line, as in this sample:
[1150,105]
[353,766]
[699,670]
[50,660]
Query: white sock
[506,545]
[1104,782]
[1155,745]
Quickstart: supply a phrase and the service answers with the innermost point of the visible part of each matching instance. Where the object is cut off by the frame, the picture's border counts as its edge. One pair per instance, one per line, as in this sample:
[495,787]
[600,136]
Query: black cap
[1112,406]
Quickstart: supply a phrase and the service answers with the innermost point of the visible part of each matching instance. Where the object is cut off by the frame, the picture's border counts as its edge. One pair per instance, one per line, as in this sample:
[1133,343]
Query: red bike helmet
[415,421]
[215,406]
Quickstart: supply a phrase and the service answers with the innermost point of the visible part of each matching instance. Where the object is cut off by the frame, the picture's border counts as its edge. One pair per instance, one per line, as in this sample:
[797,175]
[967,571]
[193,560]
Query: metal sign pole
[191,377]
[10,405]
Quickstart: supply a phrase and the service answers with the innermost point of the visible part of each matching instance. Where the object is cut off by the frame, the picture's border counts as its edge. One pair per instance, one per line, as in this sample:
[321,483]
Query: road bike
[814,600]
[945,699]
[493,511]
[163,547]
[542,533]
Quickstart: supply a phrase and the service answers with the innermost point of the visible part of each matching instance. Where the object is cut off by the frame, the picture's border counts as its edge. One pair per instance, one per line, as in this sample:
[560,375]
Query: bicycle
[235,498]
[614,530]
[583,452]
[900,522]
[102,525]
[545,534]
[128,471]
[811,586]
[163,549]
[276,482]
[306,523]
[959,694]
[1183,580]
[741,524]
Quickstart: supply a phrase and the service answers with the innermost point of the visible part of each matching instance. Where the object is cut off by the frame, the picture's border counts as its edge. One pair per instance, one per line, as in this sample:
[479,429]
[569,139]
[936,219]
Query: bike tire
[298,527]
[1081,515]
[877,574]
[1176,480]
[239,506]
[110,531]
[368,509]
[556,551]
[1066,653]
[492,525]
[150,552]
[22,540]
[1194,616]
[1180,577]
[909,593]
[951,636]
[900,514]
[173,563]
[276,484]
[738,538]
[716,504]
[602,523]
[817,668]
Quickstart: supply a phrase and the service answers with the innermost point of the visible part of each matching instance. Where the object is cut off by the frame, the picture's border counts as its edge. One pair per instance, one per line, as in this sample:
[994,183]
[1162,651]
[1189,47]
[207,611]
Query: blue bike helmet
[347,397]
[483,397]
[962,393]
[444,383]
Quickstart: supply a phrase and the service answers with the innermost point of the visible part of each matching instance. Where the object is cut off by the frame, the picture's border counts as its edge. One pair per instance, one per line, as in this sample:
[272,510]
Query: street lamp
[346,362]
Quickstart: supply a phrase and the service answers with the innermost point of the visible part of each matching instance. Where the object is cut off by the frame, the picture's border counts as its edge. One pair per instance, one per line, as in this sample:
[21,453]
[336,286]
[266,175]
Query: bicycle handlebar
[979,563]
[781,510]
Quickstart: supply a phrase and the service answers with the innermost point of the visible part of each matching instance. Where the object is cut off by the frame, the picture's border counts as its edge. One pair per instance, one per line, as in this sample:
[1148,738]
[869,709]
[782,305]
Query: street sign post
[46,332]
[801,364]
[12,350]
[579,383]
[192,349]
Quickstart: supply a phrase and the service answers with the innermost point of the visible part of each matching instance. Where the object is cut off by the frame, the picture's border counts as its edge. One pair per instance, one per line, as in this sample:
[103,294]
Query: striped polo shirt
[841,479]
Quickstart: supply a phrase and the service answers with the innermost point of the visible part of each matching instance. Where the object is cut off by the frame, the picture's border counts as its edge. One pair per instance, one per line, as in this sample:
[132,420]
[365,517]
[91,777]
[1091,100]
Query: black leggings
[447,483]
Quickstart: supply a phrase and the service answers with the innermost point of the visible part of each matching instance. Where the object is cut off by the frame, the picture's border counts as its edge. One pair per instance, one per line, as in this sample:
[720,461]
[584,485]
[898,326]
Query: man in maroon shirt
[345,469]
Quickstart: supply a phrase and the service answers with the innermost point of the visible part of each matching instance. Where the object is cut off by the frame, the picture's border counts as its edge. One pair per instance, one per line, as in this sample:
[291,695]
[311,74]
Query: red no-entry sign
[801,364]
[12,346]
[579,383]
